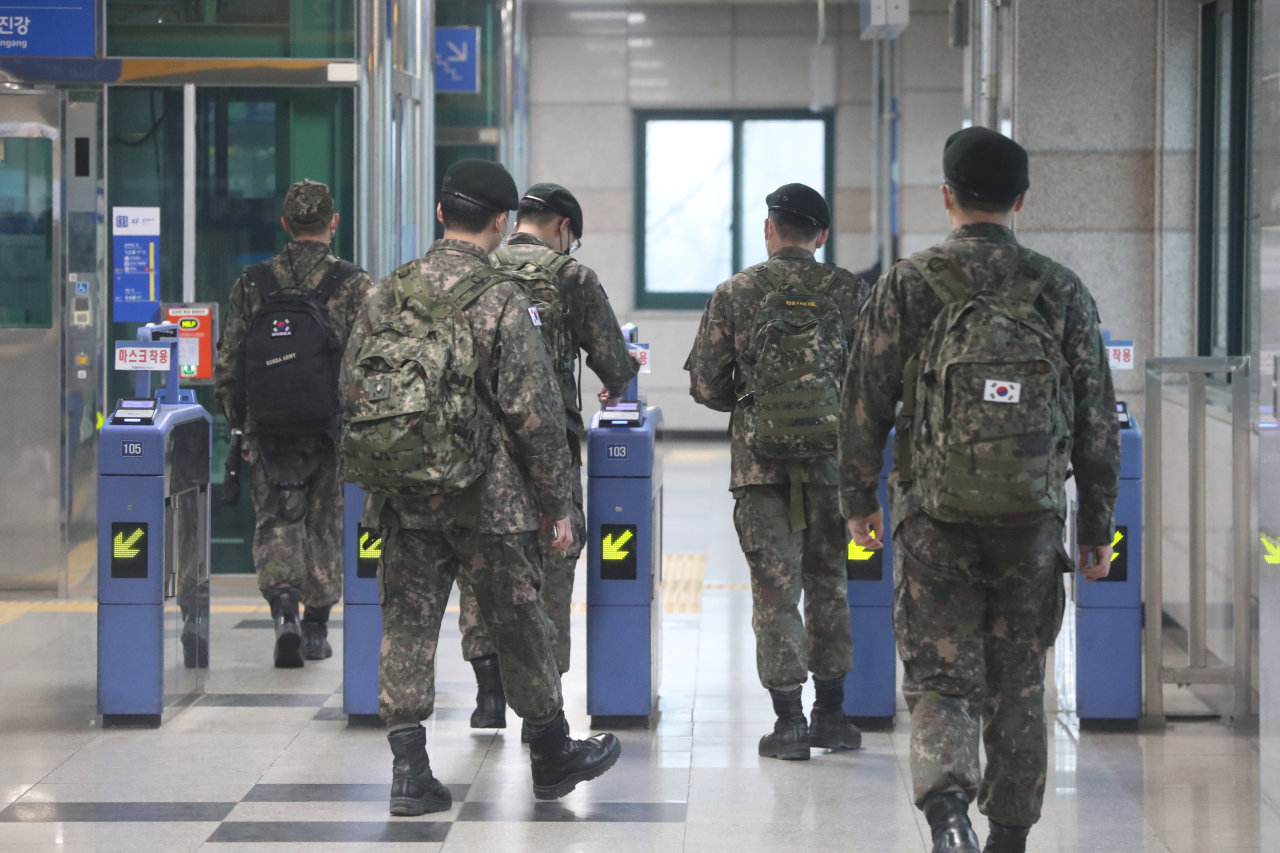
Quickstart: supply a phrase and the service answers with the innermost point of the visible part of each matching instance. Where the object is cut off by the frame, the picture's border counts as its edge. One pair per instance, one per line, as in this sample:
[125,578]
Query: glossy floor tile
[264,760]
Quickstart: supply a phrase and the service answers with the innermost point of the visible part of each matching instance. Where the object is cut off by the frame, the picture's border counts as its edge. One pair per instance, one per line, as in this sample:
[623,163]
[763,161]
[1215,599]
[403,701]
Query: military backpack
[540,278]
[420,415]
[984,433]
[290,354]
[796,362]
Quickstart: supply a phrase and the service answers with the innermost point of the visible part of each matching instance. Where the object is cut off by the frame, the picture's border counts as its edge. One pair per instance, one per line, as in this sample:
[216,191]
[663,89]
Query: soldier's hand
[868,531]
[1094,561]
[564,535]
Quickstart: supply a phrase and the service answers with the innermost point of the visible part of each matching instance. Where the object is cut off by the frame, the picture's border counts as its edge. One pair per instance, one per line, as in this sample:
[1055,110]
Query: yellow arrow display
[612,549]
[857,552]
[370,550]
[1273,551]
[1115,540]
[122,549]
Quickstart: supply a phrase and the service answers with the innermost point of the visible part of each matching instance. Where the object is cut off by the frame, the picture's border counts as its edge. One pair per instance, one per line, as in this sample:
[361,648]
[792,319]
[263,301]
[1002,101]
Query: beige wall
[591,64]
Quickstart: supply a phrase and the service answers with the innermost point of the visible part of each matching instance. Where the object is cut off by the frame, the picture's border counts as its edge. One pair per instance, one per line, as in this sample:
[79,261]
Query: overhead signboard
[457,65]
[39,28]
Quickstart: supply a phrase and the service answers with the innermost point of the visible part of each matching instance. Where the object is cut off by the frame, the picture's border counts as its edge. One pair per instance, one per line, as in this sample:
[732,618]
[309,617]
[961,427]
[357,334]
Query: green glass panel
[251,144]
[26,233]
[316,29]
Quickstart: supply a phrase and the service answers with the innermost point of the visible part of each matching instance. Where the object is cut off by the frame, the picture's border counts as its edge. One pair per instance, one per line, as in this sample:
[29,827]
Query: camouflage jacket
[716,362]
[528,475]
[893,325]
[593,324]
[301,265]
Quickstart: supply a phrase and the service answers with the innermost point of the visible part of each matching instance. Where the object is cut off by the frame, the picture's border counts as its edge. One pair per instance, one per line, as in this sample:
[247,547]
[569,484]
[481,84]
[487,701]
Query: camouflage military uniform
[425,543]
[595,330]
[297,496]
[782,562]
[975,609]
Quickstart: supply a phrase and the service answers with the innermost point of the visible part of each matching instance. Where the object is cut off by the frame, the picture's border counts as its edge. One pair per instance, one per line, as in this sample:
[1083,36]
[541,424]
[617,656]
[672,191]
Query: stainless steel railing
[1198,670]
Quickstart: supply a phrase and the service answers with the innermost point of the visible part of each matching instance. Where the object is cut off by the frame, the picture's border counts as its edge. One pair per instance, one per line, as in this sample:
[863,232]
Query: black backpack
[290,355]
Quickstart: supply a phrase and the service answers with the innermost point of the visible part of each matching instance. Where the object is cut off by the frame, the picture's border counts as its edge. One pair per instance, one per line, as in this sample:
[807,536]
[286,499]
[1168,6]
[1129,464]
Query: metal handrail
[1156,674]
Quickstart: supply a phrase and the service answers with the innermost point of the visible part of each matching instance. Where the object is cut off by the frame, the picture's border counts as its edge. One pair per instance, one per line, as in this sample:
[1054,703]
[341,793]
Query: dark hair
[794,228]
[969,202]
[537,213]
[464,215]
[309,229]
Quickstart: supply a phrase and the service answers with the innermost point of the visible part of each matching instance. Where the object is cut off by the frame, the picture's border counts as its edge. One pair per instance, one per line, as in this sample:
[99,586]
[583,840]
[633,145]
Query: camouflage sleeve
[1095,453]
[598,333]
[531,408]
[712,362]
[872,388]
[226,366]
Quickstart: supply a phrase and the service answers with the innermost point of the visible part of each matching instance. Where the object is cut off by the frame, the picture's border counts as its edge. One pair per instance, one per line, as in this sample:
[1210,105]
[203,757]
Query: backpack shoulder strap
[263,278]
[338,273]
[942,276]
[767,279]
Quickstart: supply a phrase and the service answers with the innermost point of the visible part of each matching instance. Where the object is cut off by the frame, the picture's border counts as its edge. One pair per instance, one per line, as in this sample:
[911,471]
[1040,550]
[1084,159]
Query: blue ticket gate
[1109,611]
[361,613]
[624,565]
[153,541]
[870,688]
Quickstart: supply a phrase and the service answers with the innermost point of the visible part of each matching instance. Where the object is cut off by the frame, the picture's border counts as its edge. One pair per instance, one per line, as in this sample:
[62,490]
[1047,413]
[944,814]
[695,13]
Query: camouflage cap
[985,164]
[558,200]
[308,202]
[801,200]
[482,182]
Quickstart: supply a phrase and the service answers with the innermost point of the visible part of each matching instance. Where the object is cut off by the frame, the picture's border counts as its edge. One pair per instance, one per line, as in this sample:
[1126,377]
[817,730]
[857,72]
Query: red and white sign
[142,357]
[1121,356]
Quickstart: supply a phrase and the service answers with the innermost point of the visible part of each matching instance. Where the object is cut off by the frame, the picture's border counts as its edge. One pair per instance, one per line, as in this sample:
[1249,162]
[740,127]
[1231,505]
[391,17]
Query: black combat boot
[414,790]
[491,701]
[829,728]
[790,736]
[948,816]
[1006,839]
[315,633]
[559,762]
[284,613]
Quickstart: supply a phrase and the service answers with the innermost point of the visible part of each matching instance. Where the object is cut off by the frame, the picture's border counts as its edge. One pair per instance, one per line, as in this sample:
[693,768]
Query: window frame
[696,300]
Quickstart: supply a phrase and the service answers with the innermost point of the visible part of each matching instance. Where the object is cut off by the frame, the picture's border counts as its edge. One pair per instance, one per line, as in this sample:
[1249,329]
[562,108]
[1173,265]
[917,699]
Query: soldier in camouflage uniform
[297,496]
[549,220]
[976,608]
[491,542]
[784,559]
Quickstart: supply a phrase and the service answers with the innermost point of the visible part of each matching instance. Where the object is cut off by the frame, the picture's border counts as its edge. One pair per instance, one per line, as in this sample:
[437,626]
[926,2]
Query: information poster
[135,243]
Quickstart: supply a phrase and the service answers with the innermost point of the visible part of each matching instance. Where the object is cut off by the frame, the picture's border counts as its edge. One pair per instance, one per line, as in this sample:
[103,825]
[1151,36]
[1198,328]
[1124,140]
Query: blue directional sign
[44,28]
[457,67]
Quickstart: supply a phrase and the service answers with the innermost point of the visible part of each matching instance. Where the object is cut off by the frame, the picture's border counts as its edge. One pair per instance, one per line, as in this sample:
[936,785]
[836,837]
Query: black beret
[481,182]
[802,201]
[985,164]
[558,200]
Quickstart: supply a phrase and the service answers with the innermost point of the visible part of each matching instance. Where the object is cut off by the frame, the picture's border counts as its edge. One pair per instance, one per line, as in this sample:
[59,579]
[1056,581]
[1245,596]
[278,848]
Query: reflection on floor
[265,757]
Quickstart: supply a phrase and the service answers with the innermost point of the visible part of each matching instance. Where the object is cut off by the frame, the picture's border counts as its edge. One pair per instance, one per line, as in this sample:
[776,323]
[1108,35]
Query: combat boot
[414,790]
[1006,839]
[559,762]
[829,728]
[315,633]
[284,614]
[491,701]
[948,816]
[790,736]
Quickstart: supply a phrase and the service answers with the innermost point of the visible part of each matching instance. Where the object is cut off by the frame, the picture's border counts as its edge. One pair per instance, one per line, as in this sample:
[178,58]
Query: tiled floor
[264,760]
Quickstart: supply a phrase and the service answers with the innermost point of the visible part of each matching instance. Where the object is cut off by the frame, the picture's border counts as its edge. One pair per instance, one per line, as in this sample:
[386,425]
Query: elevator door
[31,508]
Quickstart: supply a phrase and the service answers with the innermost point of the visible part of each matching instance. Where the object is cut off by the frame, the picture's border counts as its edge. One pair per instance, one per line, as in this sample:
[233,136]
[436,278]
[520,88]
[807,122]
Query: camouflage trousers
[556,592]
[974,612]
[417,571]
[297,535]
[783,564]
